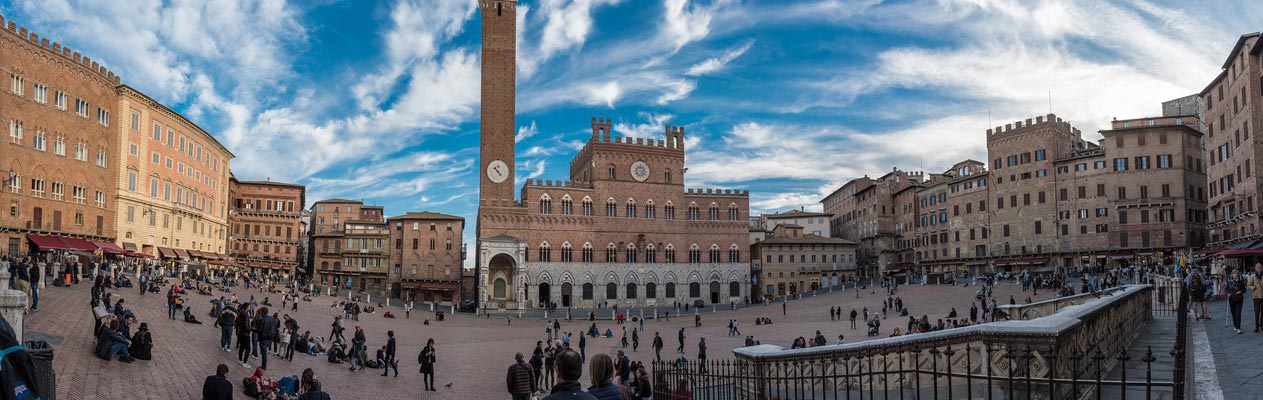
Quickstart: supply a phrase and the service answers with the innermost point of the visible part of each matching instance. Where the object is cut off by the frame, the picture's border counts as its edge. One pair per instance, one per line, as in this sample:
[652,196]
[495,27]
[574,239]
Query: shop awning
[1209,251]
[1122,255]
[195,253]
[166,252]
[899,268]
[108,247]
[137,254]
[182,253]
[79,244]
[1022,261]
[48,242]
[129,246]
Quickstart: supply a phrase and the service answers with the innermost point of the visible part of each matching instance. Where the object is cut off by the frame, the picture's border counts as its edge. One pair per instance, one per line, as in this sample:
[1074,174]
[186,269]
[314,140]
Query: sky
[379,100]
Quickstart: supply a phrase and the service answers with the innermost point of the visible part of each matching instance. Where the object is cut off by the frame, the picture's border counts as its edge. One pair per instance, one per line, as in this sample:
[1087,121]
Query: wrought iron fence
[951,366]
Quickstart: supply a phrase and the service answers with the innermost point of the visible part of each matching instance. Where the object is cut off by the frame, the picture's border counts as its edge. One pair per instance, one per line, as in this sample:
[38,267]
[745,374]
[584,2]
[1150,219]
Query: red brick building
[57,158]
[266,225]
[348,245]
[426,257]
[621,229]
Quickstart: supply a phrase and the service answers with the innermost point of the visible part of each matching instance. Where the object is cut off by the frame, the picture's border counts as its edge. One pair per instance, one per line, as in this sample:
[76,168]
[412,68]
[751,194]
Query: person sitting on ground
[258,384]
[895,332]
[110,343]
[388,315]
[188,316]
[142,343]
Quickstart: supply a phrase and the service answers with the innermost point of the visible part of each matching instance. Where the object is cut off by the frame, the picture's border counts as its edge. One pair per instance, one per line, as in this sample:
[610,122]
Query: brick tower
[499,63]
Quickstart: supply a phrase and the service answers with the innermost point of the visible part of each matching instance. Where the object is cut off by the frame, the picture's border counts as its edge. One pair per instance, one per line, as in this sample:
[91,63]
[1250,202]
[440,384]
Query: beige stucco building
[172,179]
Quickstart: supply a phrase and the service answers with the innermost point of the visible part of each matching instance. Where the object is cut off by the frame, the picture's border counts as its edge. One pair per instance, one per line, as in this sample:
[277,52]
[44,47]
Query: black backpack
[17,371]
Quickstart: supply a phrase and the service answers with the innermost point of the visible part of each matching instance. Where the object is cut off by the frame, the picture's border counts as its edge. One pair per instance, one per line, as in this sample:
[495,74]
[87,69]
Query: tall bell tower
[499,86]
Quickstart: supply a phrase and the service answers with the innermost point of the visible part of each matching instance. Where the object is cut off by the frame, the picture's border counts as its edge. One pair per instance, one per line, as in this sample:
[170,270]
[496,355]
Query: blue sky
[788,99]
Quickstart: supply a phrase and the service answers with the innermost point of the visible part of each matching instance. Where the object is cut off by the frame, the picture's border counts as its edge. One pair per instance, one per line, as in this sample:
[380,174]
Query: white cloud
[606,93]
[714,64]
[524,132]
[684,23]
[676,90]
[566,26]
[653,125]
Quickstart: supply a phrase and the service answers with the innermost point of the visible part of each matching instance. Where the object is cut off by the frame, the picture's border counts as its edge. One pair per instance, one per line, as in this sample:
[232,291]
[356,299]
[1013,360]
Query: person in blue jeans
[111,343]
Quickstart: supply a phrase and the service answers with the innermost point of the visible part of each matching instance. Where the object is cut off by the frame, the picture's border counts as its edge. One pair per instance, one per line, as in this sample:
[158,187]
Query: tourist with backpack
[1196,282]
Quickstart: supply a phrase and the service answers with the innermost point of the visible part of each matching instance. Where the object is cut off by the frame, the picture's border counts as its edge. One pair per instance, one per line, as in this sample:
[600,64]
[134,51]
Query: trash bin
[42,356]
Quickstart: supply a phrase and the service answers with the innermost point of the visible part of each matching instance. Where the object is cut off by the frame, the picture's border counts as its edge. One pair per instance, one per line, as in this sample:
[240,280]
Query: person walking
[243,336]
[217,387]
[583,348]
[171,303]
[681,347]
[390,355]
[657,346]
[853,315]
[1196,283]
[1256,290]
[520,380]
[337,329]
[549,352]
[427,360]
[1236,296]
[635,339]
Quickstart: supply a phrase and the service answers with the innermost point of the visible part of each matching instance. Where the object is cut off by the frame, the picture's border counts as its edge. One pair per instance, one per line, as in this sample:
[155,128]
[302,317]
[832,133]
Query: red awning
[79,244]
[1209,251]
[137,254]
[109,247]
[182,253]
[48,242]
[195,253]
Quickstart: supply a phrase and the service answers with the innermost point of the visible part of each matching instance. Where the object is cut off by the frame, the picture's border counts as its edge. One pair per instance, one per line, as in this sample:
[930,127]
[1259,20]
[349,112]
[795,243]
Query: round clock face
[497,171]
[640,171]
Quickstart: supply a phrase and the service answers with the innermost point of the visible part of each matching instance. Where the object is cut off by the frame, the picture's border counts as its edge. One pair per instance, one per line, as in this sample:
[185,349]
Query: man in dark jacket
[313,391]
[217,387]
[520,379]
[623,366]
[110,343]
[390,355]
[227,325]
[569,370]
[268,330]
[657,346]
[243,336]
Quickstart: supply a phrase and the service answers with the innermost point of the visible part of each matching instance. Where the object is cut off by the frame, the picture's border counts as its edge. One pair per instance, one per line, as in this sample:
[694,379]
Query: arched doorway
[395,290]
[545,294]
[566,288]
[714,292]
[500,270]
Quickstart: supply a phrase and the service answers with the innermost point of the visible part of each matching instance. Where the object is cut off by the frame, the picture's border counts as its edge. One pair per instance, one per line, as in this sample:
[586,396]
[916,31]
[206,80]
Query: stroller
[872,328]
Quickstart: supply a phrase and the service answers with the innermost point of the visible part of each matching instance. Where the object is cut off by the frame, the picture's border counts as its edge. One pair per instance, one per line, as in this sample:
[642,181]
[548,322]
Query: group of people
[610,378]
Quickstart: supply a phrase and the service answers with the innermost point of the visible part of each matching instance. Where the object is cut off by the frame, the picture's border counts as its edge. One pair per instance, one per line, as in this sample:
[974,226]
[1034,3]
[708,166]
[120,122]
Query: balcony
[256,211]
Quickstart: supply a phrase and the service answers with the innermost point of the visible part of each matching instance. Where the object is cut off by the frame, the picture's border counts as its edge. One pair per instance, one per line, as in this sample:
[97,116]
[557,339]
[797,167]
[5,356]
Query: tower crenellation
[56,48]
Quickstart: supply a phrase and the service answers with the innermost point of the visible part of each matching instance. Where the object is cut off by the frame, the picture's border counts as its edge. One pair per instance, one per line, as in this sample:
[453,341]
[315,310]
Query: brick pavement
[1236,356]
[472,353]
